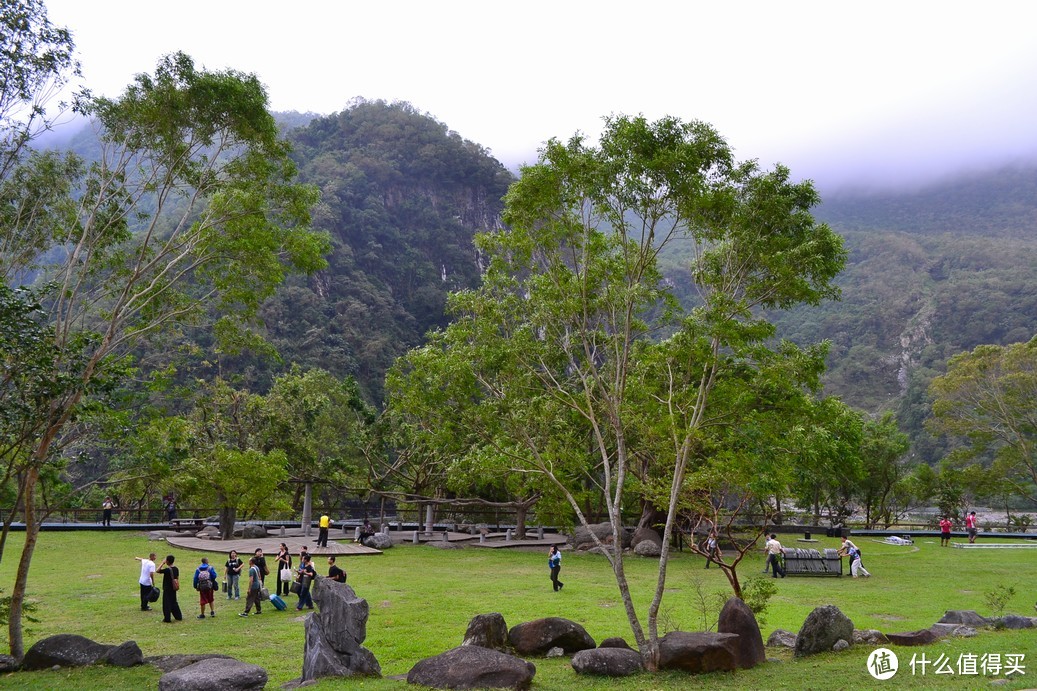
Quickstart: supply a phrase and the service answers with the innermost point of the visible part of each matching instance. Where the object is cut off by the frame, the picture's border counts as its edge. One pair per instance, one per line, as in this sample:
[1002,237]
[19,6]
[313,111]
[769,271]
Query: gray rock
[736,617]
[156,535]
[868,636]
[607,662]
[168,663]
[698,653]
[8,664]
[487,631]
[614,642]
[253,532]
[472,667]
[840,645]
[821,629]
[214,673]
[335,634]
[642,534]
[582,539]
[378,541]
[555,652]
[780,638]
[647,548]
[955,630]
[126,655]
[539,636]
[909,638]
[442,544]
[1013,621]
[966,617]
[64,650]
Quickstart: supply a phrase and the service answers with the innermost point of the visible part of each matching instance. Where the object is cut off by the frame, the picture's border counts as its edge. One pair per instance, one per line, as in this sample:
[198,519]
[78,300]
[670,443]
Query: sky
[849,94]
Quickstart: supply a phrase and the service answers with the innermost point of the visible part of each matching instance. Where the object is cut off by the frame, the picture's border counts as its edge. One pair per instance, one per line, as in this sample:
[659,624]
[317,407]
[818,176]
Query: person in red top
[945,532]
[970,525]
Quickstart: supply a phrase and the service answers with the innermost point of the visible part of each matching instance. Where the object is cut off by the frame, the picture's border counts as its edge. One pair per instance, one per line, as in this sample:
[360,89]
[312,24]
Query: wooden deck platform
[270,546]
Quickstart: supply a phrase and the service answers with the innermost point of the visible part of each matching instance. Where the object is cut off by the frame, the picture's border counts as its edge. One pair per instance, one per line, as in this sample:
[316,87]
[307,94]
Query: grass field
[422,598]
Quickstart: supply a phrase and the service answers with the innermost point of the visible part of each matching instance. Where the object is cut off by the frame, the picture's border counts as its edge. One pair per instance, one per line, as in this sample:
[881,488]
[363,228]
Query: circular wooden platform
[271,545]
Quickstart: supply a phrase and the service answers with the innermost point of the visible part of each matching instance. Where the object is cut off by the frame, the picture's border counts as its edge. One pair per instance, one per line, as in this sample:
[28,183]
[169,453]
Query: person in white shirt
[774,552]
[146,580]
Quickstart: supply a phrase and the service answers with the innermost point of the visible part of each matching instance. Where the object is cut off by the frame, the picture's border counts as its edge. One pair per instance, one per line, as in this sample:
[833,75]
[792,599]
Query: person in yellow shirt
[322,535]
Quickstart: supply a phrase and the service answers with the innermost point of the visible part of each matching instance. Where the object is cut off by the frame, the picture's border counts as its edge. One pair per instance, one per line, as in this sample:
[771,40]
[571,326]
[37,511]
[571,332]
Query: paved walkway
[270,546]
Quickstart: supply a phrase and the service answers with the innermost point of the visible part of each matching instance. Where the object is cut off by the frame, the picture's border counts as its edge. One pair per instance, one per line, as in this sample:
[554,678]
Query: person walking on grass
[945,532]
[774,552]
[712,549]
[106,518]
[554,562]
[205,584]
[970,525]
[170,586]
[232,569]
[146,580]
[254,584]
[261,563]
[306,576]
[851,550]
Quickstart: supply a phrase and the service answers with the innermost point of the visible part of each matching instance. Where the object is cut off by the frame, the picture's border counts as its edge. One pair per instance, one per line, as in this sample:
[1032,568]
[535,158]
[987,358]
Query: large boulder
[952,630]
[215,673]
[736,617]
[581,538]
[821,629]
[487,631]
[1013,621]
[64,650]
[607,662]
[252,532]
[645,533]
[699,653]
[539,636]
[335,634]
[378,541]
[920,637]
[965,617]
[472,667]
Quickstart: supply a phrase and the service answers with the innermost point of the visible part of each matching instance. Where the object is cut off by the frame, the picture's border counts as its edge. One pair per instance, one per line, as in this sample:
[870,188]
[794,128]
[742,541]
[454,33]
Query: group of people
[946,525]
[253,578]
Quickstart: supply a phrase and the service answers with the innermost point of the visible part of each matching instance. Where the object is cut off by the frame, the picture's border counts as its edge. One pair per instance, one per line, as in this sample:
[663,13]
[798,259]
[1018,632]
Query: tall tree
[986,399]
[562,337]
[191,207]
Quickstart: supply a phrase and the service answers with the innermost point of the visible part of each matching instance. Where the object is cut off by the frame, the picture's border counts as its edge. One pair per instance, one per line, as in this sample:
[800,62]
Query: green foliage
[998,598]
[986,398]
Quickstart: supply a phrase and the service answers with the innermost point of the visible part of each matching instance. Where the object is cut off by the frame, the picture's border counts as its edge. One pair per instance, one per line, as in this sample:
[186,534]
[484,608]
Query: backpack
[204,580]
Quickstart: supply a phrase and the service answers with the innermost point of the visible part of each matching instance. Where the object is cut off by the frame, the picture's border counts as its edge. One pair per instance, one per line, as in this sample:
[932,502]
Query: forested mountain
[930,274]
[401,196]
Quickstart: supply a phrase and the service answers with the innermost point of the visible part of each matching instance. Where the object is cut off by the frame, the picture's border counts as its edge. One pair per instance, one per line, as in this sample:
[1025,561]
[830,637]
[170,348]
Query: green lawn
[422,598]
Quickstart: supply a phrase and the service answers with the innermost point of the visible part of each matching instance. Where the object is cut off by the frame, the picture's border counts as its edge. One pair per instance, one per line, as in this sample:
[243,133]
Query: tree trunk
[32,531]
[520,521]
[10,519]
[732,578]
[307,509]
[228,517]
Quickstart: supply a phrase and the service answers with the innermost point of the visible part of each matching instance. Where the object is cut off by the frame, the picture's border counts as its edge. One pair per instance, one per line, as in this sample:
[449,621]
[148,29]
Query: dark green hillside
[402,197]
[930,274]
